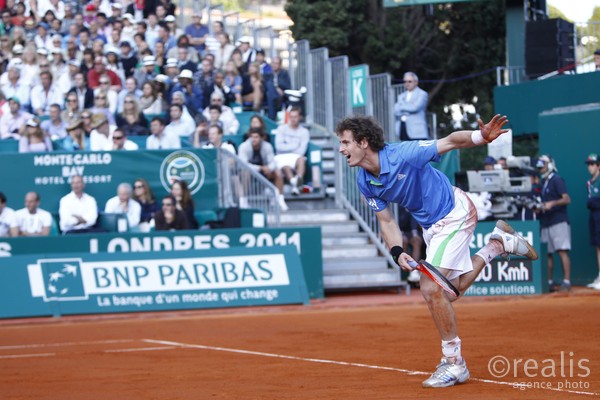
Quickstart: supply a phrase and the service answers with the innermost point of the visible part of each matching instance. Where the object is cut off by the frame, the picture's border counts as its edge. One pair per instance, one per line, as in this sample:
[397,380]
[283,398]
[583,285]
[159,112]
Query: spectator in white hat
[147,72]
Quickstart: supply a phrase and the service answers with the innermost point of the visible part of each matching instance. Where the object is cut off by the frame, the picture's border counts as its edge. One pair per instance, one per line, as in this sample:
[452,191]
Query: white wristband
[477,138]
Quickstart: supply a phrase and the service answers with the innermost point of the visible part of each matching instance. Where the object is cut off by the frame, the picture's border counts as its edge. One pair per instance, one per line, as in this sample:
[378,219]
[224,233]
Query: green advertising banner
[49,174]
[78,283]
[307,242]
[358,85]
[512,276]
[406,3]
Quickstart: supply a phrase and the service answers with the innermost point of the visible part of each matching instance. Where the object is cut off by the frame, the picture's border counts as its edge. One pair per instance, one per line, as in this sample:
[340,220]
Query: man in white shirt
[291,143]
[8,222]
[120,141]
[32,220]
[159,139]
[228,118]
[45,94]
[11,122]
[122,203]
[101,135]
[178,125]
[14,87]
[78,211]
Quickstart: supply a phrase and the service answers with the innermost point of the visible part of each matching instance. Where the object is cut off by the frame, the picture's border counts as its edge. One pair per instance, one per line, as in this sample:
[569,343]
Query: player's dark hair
[2,198]
[363,128]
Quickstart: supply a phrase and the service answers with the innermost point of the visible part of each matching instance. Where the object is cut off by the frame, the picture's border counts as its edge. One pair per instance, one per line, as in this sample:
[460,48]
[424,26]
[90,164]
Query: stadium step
[345,265]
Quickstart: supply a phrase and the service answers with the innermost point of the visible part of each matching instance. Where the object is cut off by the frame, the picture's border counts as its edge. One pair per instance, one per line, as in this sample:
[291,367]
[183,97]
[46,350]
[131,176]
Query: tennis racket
[432,273]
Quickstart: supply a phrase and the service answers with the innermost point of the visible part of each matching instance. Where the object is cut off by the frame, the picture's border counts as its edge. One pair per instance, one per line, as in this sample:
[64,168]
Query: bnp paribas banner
[49,174]
[512,276]
[306,240]
[74,283]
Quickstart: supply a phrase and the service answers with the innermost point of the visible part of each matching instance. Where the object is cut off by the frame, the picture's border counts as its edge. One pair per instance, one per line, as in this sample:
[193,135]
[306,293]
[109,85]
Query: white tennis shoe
[447,374]
[513,242]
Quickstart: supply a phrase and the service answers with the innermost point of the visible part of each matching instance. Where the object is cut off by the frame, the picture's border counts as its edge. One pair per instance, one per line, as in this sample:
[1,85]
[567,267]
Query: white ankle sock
[451,349]
[490,251]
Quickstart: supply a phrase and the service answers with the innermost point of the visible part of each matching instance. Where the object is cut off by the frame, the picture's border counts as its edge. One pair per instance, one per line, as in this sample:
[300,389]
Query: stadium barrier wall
[82,283]
[306,240]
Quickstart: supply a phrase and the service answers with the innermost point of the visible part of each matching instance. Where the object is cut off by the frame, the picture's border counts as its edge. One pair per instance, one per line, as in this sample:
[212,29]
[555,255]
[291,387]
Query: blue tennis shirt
[407,178]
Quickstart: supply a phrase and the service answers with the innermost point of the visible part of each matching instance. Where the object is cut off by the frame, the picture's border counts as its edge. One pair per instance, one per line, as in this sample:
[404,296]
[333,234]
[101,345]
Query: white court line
[139,349]
[29,346]
[351,364]
[28,355]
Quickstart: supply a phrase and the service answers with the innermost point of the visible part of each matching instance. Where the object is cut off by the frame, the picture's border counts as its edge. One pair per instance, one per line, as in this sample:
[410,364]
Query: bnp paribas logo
[57,280]
[182,166]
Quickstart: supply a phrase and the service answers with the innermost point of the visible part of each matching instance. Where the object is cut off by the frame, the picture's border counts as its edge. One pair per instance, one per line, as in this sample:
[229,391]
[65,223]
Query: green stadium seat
[9,146]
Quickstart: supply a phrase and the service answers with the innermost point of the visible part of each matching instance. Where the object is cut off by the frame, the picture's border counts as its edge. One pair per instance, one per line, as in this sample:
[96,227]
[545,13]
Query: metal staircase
[350,260]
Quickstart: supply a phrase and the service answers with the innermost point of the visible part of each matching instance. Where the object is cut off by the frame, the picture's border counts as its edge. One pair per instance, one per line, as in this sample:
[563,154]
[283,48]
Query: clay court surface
[363,346]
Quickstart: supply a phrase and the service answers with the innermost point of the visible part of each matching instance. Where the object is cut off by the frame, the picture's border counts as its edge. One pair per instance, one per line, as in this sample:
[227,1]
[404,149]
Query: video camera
[510,190]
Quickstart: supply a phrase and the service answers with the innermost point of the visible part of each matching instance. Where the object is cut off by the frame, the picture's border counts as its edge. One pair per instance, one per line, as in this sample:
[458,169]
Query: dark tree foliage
[440,43]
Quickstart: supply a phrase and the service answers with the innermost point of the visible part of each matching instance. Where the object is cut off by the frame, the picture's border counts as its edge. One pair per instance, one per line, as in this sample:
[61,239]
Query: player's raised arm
[486,133]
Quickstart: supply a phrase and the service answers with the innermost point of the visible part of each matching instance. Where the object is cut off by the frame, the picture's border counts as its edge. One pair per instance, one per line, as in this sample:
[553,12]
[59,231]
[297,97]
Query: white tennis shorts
[448,239]
[286,160]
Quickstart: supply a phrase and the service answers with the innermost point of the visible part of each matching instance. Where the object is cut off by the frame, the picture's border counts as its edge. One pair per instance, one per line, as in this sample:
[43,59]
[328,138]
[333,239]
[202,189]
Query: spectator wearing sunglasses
[169,218]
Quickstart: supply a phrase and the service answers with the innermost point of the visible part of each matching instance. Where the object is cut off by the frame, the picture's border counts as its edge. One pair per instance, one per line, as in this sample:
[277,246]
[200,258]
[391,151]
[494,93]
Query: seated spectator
[94,75]
[159,139]
[72,112]
[8,222]
[122,203]
[129,89]
[214,113]
[113,63]
[276,84]
[253,88]
[144,195]
[85,95]
[129,58]
[191,93]
[184,202]
[185,61]
[200,137]
[101,106]
[131,120]
[180,99]
[233,80]
[259,155]
[100,136]
[223,51]
[16,86]
[169,218]
[227,118]
[78,210]
[178,126]
[120,141]
[111,95]
[45,94]
[215,137]
[204,79]
[32,220]
[150,103]
[86,119]
[147,72]
[33,139]
[256,121]
[76,139]
[54,127]
[291,143]
[12,121]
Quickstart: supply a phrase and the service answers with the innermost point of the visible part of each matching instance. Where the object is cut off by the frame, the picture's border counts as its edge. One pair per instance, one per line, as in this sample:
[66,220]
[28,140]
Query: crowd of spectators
[63,64]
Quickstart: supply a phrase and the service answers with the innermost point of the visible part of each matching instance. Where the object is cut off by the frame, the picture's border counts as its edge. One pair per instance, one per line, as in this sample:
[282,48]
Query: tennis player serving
[401,173]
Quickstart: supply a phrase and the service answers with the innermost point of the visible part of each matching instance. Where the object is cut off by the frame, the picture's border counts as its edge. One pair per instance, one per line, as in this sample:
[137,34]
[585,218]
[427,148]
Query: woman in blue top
[402,173]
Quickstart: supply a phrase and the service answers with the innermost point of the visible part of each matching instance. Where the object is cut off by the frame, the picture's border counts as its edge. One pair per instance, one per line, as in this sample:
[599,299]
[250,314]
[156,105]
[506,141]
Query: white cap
[169,18]
[148,60]
[161,78]
[244,39]
[186,74]
[117,6]
[171,62]
[129,17]
[18,49]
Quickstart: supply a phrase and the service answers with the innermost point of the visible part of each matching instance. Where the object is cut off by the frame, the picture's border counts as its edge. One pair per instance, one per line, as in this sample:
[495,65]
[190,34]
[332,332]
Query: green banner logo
[182,166]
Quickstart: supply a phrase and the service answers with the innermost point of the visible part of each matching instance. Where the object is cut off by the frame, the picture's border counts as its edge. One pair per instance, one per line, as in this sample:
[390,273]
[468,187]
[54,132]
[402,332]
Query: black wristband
[396,251]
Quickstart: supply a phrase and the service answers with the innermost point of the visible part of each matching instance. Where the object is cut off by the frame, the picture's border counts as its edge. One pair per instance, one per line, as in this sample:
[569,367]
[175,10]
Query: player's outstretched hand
[493,129]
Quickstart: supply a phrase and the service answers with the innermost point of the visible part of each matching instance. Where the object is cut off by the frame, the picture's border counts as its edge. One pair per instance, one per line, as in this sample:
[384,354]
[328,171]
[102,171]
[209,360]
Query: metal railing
[340,90]
[241,186]
[320,92]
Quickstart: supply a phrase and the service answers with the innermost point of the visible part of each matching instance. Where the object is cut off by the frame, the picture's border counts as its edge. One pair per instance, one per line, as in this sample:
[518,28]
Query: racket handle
[413,264]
